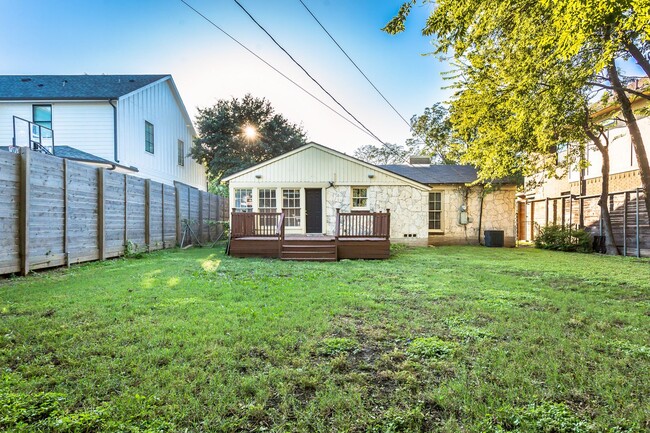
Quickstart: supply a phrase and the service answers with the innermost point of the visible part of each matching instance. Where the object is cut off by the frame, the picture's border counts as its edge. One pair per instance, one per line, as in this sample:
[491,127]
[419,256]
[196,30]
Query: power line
[355,65]
[276,70]
[307,73]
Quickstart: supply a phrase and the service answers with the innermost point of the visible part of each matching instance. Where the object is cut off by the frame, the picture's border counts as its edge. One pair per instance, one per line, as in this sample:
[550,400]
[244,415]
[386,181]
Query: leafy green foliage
[380,155]
[225,148]
[560,238]
[433,135]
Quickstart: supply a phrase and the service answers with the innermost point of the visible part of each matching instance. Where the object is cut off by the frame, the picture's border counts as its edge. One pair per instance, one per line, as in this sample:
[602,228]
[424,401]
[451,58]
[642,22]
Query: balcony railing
[32,135]
[363,224]
[256,224]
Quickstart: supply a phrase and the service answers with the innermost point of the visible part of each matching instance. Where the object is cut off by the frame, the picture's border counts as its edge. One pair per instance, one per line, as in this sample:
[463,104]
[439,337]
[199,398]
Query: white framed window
[291,207]
[244,200]
[360,197]
[435,211]
[266,200]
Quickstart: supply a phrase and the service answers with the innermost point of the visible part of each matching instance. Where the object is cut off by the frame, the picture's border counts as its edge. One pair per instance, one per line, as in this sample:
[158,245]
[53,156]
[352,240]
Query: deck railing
[363,224]
[256,224]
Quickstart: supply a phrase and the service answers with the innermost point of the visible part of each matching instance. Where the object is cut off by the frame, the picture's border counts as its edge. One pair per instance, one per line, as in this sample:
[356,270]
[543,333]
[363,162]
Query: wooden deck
[359,236]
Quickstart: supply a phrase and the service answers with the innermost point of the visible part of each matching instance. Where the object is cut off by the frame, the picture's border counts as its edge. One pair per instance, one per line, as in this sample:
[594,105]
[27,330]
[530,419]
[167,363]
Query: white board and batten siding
[158,105]
[84,125]
[315,165]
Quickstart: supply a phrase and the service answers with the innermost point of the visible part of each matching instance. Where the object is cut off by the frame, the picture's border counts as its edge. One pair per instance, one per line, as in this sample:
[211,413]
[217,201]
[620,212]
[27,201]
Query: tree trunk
[635,133]
[603,201]
[639,57]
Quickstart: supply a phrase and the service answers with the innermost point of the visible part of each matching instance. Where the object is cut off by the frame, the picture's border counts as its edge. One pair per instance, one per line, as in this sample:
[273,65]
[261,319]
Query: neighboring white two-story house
[133,123]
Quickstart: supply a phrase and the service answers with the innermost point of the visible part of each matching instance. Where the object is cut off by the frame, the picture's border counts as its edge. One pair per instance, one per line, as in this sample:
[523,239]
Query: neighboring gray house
[134,123]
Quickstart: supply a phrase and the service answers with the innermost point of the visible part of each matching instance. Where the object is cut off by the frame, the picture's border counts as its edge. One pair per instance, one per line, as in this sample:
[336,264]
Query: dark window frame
[181,153]
[41,122]
[149,138]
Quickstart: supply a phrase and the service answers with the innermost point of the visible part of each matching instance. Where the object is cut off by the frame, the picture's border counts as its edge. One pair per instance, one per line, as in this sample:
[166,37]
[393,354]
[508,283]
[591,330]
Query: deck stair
[309,251]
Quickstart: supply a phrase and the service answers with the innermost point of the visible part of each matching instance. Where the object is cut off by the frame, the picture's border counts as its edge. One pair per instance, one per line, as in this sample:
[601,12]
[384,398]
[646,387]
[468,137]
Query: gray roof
[68,152]
[66,87]
[435,174]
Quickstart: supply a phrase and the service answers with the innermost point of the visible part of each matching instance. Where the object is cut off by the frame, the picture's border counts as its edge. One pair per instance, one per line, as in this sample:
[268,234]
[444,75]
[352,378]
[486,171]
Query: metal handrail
[36,145]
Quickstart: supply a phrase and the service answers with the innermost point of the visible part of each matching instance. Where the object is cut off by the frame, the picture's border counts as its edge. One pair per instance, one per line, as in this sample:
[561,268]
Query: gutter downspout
[110,101]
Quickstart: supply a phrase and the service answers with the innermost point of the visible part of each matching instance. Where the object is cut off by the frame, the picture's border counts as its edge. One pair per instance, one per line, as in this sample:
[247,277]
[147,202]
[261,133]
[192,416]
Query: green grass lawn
[435,339]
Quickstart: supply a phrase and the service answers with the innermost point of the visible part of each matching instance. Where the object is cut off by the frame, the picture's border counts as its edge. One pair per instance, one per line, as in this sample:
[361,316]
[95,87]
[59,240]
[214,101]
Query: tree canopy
[433,136]
[235,134]
[382,155]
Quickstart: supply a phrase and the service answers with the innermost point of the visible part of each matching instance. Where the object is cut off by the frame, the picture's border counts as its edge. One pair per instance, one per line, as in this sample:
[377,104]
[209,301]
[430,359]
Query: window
[359,197]
[267,201]
[291,207]
[244,200]
[148,137]
[435,211]
[181,153]
[42,115]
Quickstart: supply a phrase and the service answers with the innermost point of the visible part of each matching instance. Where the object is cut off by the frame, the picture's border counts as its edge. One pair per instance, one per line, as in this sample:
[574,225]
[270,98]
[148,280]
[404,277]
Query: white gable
[316,164]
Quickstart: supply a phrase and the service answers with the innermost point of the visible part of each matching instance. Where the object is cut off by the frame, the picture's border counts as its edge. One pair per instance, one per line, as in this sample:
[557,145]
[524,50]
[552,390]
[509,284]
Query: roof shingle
[70,87]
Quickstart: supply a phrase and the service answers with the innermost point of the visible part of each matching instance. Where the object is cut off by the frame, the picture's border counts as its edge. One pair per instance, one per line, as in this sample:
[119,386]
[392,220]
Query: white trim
[331,152]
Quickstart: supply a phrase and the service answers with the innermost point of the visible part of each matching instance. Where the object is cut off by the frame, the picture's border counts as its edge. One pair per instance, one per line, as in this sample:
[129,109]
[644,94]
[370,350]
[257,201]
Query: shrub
[561,238]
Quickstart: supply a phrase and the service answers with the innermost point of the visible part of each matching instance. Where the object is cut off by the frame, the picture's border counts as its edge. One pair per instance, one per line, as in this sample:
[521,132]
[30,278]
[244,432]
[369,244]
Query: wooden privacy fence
[55,212]
[630,222]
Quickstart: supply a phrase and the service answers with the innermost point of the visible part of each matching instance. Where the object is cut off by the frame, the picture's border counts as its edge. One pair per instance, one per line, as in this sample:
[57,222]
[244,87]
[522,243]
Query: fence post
[24,210]
[178,215]
[546,213]
[101,215]
[126,211]
[200,222]
[66,214]
[147,214]
[627,197]
[162,228]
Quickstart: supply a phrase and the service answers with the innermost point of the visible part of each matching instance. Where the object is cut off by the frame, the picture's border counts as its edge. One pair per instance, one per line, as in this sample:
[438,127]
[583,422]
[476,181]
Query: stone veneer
[409,212]
[408,207]
[498,214]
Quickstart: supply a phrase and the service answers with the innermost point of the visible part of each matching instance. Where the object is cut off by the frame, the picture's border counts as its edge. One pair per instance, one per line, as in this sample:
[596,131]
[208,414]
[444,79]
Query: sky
[166,37]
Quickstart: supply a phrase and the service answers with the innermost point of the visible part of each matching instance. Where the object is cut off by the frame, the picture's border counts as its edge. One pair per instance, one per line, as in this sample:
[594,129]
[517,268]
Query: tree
[238,133]
[433,135]
[586,39]
[383,155]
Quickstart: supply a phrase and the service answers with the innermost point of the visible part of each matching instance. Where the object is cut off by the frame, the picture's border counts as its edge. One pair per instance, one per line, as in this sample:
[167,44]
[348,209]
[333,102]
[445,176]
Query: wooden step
[322,252]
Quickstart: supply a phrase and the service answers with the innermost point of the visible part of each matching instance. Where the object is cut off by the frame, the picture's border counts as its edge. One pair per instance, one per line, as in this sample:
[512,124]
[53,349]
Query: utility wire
[276,69]
[355,65]
[308,74]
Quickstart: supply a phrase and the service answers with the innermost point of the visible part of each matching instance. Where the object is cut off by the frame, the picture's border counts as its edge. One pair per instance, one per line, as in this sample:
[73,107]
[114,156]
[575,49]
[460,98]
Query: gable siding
[156,105]
[315,166]
[86,126]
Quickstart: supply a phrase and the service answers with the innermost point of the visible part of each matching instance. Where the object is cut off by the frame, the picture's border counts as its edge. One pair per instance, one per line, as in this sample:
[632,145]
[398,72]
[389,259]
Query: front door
[314,210]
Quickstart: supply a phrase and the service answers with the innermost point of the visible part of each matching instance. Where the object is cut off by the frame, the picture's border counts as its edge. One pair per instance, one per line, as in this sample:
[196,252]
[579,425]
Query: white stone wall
[498,214]
[408,207]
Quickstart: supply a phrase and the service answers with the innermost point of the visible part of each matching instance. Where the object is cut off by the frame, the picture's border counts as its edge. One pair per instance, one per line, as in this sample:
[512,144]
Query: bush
[561,238]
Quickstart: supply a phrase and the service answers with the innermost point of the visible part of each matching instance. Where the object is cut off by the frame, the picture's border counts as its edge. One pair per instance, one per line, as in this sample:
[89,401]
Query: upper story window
[181,153]
[148,137]
[435,211]
[360,198]
[244,200]
[42,115]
